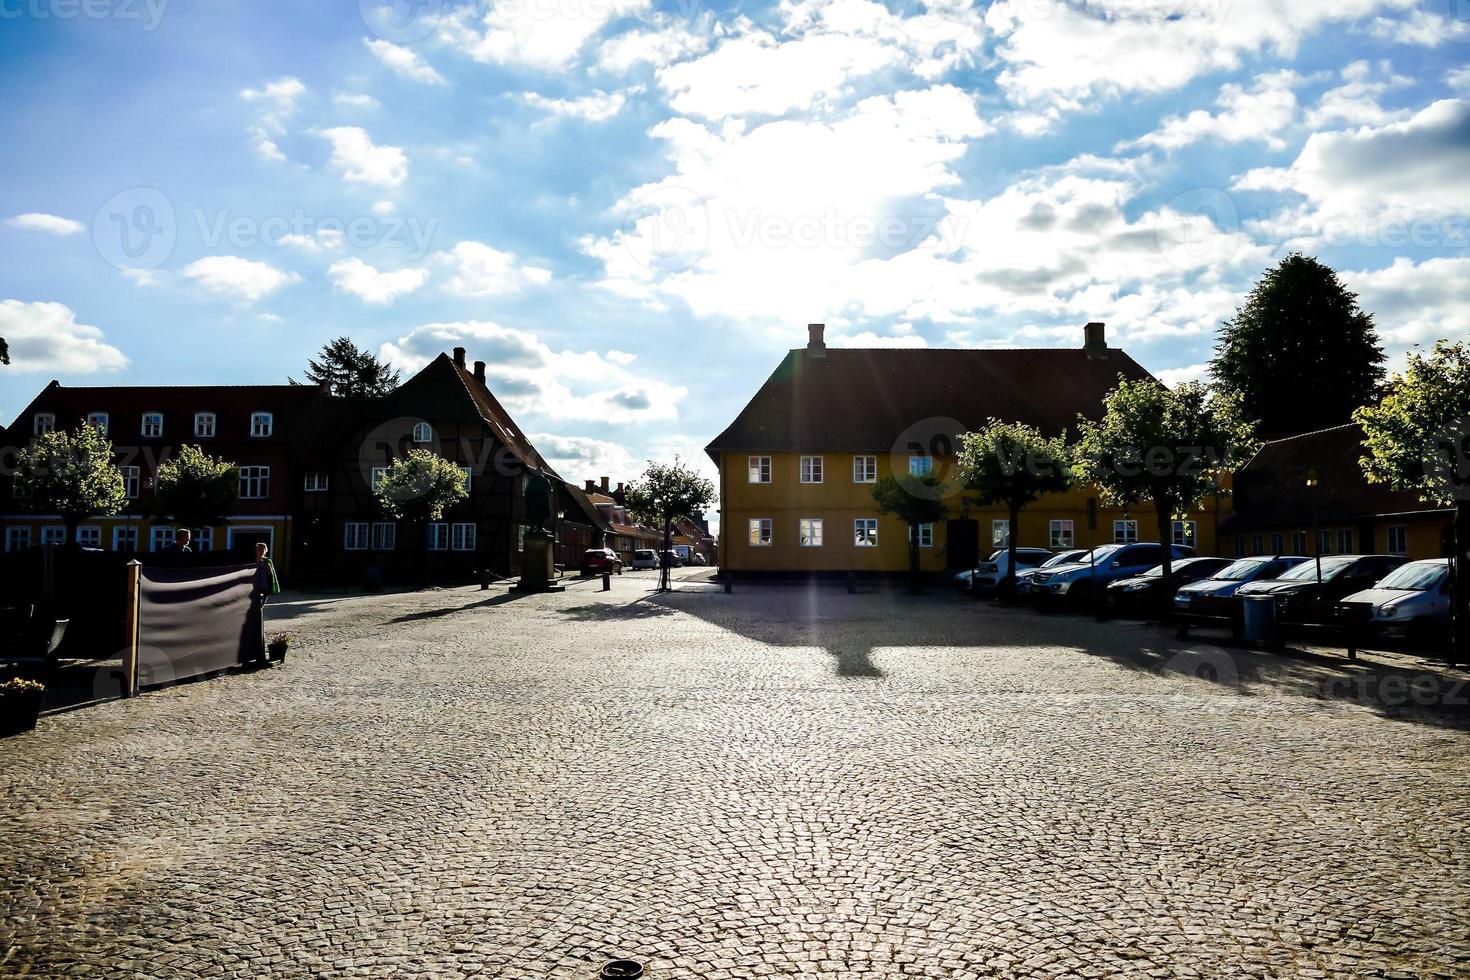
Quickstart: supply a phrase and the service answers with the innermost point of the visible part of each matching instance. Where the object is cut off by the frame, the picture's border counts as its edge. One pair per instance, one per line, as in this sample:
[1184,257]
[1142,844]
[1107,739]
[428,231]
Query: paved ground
[780,782]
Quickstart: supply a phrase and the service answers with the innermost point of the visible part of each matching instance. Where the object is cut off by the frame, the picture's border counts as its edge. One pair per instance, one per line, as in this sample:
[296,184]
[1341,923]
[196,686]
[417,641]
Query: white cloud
[47,337]
[49,223]
[372,285]
[278,101]
[239,279]
[405,62]
[596,107]
[1356,101]
[1258,114]
[355,101]
[668,42]
[265,147]
[1415,303]
[532,379]
[1459,79]
[1179,375]
[581,458]
[532,35]
[360,161]
[476,269]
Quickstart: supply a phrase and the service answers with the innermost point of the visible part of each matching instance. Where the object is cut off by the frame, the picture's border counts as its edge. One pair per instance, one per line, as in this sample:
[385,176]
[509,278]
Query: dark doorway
[243,541]
[963,548]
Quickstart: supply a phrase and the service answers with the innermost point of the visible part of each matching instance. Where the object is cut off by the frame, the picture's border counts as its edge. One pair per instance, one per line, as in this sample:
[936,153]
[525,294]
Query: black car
[1310,591]
[1152,592]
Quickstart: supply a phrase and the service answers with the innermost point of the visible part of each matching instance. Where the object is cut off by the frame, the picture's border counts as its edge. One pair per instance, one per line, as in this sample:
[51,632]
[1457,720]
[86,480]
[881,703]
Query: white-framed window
[758,469]
[132,481]
[1258,544]
[1278,543]
[1185,533]
[811,469]
[423,432]
[926,535]
[1000,529]
[89,536]
[204,425]
[262,424]
[1060,535]
[439,536]
[865,469]
[1298,542]
[161,538]
[1398,540]
[520,537]
[98,420]
[469,478]
[1324,542]
[54,534]
[17,538]
[255,482]
[1125,532]
[152,425]
[865,532]
[377,477]
[125,538]
[811,532]
[44,422]
[203,539]
[1240,548]
[385,536]
[315,482]
[921,466]
[355,536]
[462,537]
[1345,541]
[760,532]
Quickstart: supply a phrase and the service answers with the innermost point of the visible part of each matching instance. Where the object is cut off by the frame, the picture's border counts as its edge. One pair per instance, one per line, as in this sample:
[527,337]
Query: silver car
[1412,602]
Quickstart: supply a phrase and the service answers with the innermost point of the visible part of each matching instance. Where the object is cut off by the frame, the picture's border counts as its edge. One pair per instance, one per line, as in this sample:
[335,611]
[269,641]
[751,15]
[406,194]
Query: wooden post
[130,630]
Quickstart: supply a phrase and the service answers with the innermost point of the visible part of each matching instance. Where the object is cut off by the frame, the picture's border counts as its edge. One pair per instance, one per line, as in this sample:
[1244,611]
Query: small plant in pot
[279,644]
[20,705]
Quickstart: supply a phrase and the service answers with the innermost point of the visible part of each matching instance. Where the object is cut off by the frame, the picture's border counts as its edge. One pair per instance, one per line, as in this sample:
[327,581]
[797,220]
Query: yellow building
[798,465]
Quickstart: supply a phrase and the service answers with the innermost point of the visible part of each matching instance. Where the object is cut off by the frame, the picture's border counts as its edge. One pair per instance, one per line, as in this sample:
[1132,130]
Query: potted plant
[20,705]
[279,644]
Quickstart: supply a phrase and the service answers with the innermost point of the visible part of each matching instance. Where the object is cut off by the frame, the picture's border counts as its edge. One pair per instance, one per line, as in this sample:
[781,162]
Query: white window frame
[1190,536]
[162,536]
[43,423]
[132,481]
[1000,529]
[205,425]
[1401,532]
[762,532]
[921,465]
[1125,531]
[423,432]
[153,430]
[17,538]
[865,469]
[128,532]
[375,477]
[203,539]
[1299,541]
[89,536]
[256,478]
[438,536]
[356,536]
[926,535]
[1345,541]
[811,469]
[101,421]
[462,536]
[758,469]
[1258,544]
[810,532]
[865,532]
[1278,543]
[384,536]
[314,482]
[1061,534]
[1324,541]
[469,478]
[53,534]
[262,425]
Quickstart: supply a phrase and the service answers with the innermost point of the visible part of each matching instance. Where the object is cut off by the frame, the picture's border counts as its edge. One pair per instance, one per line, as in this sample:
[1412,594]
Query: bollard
[607,581]
[484,580]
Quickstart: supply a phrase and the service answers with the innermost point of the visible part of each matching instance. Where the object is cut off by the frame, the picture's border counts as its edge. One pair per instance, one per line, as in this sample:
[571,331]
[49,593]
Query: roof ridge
[1312,432]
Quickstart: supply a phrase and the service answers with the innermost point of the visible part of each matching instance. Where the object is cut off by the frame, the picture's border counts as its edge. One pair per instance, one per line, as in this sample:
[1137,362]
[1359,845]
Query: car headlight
[1389,610]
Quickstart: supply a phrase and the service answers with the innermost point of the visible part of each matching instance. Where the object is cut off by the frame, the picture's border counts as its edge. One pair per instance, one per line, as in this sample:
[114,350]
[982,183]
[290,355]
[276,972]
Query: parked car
[1025,576]
[990,573]
[1109,563]
[1302,598]
[644,558]
[1151,591]
[599,561]
[672,559]
[1211,598]
[1412,603]
[697,559]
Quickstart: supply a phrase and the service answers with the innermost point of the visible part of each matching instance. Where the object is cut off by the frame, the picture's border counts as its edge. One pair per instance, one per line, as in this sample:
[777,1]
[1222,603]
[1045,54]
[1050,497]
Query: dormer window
[423,432]
[204,423]
[98,420]
[262,424]
[45,422]
[152,425]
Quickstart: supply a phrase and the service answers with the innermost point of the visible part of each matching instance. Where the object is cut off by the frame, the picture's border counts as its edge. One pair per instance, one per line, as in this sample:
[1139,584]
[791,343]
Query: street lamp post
[1312,483]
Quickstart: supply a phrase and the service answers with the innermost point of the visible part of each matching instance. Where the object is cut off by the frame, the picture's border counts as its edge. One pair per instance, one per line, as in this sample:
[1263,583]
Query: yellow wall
[838,501]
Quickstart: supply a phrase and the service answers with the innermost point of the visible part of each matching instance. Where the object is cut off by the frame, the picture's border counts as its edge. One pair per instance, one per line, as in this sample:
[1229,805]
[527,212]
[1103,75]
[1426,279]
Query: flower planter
[19,711]
[277,652]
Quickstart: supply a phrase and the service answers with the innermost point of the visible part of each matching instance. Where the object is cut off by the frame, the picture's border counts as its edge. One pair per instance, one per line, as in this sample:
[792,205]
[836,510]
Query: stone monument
[538,560]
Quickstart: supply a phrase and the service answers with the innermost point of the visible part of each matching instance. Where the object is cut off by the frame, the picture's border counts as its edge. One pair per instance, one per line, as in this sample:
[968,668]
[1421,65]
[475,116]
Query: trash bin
[1258,616]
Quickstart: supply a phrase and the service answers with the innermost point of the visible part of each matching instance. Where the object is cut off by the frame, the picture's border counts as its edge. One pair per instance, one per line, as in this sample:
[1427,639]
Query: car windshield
[1418,577]
[1156,572]
[1240,571]
[1098,554]
[1307,570]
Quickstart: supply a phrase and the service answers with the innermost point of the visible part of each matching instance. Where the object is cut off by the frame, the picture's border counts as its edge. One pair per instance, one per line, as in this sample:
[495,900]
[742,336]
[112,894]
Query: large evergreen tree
[1300,353]
[348,370]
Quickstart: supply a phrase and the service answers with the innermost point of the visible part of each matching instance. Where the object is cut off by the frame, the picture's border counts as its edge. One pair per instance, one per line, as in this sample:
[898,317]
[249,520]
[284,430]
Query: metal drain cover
[622,970]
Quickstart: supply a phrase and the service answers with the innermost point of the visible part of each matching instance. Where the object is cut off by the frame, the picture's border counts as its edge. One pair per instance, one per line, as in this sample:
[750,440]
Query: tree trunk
[1460,569]
[1165,512]
[666,558]
[914,559]
[1009,585]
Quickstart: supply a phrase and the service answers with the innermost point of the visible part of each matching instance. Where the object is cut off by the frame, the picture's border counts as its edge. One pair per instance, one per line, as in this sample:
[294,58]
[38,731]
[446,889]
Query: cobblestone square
[783,781]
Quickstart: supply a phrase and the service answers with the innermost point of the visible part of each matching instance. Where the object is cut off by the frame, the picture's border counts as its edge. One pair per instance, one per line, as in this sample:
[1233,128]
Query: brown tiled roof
[1271,490]
[587,512]
[858,400]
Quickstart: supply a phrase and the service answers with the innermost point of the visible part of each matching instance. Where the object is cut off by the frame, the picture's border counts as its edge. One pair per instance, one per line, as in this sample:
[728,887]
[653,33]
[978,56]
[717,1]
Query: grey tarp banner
[194,621]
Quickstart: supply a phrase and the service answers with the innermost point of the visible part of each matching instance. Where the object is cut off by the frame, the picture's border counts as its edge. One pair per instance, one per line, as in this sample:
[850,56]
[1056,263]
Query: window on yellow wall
[1299,542]
[1125,532]
[1000,529]
[865,532]
[811,532]
[1185,533]
[759,469]
[865,469]
[760,532]
[921,465]
[1060,535]
[811,469]
[1398,540]
[926,535]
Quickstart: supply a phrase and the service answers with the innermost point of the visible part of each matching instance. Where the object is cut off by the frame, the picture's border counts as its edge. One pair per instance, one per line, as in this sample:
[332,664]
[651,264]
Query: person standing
[182,537]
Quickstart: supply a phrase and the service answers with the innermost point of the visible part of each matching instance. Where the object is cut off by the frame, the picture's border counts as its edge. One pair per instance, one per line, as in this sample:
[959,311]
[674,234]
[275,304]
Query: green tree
[914,500]
[4,351]
[665,493]
[1418,438]
[349,370]
[196,489]
[1164,446]
[1013,464]
[417,489]
[1300,353]
[71,474]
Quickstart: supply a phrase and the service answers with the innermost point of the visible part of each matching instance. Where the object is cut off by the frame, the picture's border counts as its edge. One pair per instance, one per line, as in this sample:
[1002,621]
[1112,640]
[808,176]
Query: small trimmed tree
[914,500]
[349,370]
[195,488]
[1013,464]
[1163,446]
[71,474]
[665,493]
[417,489]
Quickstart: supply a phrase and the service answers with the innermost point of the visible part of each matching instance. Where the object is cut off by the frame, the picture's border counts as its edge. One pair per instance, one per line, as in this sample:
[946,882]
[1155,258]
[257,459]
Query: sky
[631,209]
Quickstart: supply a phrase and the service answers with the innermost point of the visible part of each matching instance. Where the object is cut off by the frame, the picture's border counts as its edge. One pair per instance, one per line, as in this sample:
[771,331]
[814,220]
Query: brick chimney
[480,371]
[816,346]
[459,356]
[604,485]
[1095,341]
[591,486]
[620,488]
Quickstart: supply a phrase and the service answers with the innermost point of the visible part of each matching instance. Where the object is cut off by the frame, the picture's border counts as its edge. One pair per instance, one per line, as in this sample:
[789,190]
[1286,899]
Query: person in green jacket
[266,583]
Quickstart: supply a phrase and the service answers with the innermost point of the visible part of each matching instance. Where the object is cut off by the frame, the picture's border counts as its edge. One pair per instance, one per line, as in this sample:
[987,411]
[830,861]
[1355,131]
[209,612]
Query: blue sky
[631,209]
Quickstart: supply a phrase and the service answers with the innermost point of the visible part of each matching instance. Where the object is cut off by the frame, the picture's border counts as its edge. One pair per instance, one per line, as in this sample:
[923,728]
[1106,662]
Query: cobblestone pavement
[780,782]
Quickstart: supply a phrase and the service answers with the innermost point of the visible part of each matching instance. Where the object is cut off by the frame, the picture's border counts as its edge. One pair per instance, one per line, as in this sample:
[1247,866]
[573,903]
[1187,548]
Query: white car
[1411,602]
[644,558]
[991,572]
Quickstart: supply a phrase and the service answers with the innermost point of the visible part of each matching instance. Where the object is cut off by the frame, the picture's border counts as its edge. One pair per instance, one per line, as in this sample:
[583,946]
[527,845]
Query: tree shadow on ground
[606,611]
[442,611]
